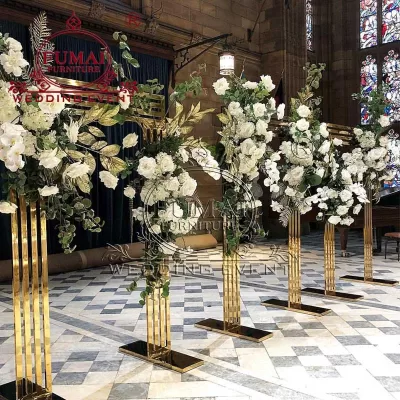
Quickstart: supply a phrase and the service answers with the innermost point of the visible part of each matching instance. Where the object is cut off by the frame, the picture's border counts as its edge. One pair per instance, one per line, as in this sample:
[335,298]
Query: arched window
[391,77]
[309,25]
[378,61]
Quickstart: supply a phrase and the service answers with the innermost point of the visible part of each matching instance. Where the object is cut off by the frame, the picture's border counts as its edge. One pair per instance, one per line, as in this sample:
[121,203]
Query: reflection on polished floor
[352,353]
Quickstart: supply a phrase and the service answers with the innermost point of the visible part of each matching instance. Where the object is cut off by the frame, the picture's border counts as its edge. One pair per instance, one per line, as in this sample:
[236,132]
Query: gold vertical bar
[329,256]
[290,266]
[149,317]
[45,302]
[237,288]
[36,296]
[156,319]
[16,287]
[26,290]
[167,343]
[368,274]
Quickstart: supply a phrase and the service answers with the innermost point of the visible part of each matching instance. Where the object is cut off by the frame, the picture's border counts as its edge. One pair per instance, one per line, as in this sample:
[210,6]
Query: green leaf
[314,180]
[134,62]
[126,55]
[111,150]
[113,164]
[84,184]
[116,35]
[86,138]
[142,302]
[99,145]
[75,155]
[96,131]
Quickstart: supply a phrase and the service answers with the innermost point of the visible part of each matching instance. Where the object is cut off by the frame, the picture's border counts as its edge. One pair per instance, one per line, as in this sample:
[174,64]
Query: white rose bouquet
[47,148]
[304,154]
[369,162]
[244,138]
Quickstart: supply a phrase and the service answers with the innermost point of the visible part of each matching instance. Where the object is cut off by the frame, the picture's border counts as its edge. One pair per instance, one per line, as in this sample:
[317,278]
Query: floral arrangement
[244,140]
[306,155]
[369,162]
[166,188]
[290,181]
[47,148]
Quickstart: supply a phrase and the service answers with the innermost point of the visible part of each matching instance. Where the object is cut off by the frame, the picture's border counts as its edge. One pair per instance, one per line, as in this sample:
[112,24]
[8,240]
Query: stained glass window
[368,23]
[390,20]
[369,81]
[309,25]
[391,77]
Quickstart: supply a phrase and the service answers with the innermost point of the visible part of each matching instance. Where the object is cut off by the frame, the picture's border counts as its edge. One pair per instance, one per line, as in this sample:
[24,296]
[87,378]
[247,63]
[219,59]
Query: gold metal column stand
[30,270]
[329,269]
[231,302]
[157,349]
[368,252]
[294,288]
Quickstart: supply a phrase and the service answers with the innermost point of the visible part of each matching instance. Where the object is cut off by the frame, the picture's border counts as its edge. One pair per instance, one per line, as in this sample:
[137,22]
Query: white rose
[337,142]
[347,221]
[245,130]
[221,86]
[77,169]
[172,184]
[129,192]
[48,191]
[294,175]
[334,219]
[384,121]
[248,147]
[259,110]
[346,195]
[280,112]
[130,140]
[325,147]
[110,181]
[274,188]
[250,85]
[275,156]
[13,62]
[346,177]
[342,210]
[323,206]
[188,187]
[147,167]
[7,208]
[272,103]
[358,131]
[320,172]
[13,44]
[302,125]
[235,109]
[303,111]
[357,209]
[332,194]
[267,81]
[165,162]
[48,158]
[323,130]
[290,192]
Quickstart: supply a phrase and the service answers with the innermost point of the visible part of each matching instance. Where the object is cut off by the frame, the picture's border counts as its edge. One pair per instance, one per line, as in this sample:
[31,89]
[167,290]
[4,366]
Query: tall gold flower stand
[329,270]
[31,302]
[294,288]
[231,302]
[157,349]
[368,252]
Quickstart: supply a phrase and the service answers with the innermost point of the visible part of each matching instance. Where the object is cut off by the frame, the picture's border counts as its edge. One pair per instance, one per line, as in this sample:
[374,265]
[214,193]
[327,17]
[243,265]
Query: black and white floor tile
[352,353]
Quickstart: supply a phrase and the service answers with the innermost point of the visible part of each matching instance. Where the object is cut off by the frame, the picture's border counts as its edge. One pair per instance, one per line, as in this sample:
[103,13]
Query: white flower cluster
[13,60]
[167,181]
[8,109]
[246,131]
[12,145]
[369,162]
[306,152]
[339,201]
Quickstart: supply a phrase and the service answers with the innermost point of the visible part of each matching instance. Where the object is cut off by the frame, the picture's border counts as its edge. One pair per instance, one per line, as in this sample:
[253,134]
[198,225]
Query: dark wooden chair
[393,236]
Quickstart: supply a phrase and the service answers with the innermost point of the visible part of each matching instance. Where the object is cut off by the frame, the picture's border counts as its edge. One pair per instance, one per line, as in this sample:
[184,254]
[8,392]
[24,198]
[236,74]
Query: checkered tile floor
[352,353]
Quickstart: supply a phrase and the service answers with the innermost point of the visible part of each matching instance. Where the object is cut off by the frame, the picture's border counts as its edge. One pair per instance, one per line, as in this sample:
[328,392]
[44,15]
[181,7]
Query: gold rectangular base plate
[301,308]
[242,332]
[9,392]
[334,295]
[170,359]
[361,279]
